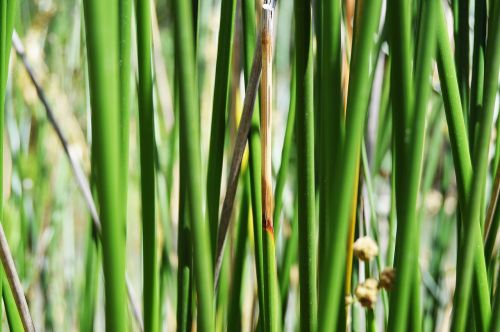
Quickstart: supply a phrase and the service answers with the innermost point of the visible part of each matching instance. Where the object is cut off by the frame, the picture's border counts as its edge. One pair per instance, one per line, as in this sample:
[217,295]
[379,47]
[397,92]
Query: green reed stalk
[476,90]
[234,316]
[185,274]
[91,282]
[496,159]
[350,243]
[399,15]
[495,324]
[391,246]
[433,156]
[367,178]
[256,200]
[184,241]
[331,117]
[147,157]
[184,251]
[453,109]
[332,288]
[401,91]
[271,295]
[465,270]
[4,67]
[317,9]
[12,315]
[7,11]
[190,142]
[305,148]
[222,292]
[383,138]
[406,241]
[285,155]
[461,37]
[249,40]
[92,261]
[462,161]
[220,105]
[272,316]
[102,27]
[289,258]
[125,46]
[491,235]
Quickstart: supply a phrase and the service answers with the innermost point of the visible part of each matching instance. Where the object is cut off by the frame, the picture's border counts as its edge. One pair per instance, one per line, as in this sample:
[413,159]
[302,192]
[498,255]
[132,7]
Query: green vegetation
[250,165]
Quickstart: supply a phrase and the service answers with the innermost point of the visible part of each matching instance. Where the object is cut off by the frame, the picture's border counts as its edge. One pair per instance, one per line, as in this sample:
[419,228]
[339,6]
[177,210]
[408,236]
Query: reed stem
[471,221]
[462,161]
[332,288]
[305,148]
[220,105]
[102,35]
[190,142]
[147,157]
[271,317]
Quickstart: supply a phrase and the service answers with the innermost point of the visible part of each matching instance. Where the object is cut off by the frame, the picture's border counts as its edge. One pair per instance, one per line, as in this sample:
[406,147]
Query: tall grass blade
[7,11]
[189,134]
[102,35]
[234,316]
[234,171]
[357,103]
[399,16]
[471,221]
[251,51]
[271,305]
[462,160]
[12,314]
[331,116]
[407,242]
[147,156]
[185,269]
[125,64]
[289,258]
[285,155]
[90,287]
[495,324]
[477,80]
[461,36]
[220,105]
[305,148]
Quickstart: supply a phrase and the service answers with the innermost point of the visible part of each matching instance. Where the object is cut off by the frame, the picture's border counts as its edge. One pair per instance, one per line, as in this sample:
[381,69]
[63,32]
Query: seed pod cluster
[366,292]
[365,249]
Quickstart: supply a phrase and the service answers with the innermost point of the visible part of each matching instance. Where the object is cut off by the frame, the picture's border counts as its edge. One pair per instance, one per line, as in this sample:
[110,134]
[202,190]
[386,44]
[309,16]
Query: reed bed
[250,165]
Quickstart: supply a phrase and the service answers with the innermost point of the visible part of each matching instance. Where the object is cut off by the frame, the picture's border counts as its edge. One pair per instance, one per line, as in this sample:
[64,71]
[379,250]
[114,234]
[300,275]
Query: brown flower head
[387,278]
[366,292]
